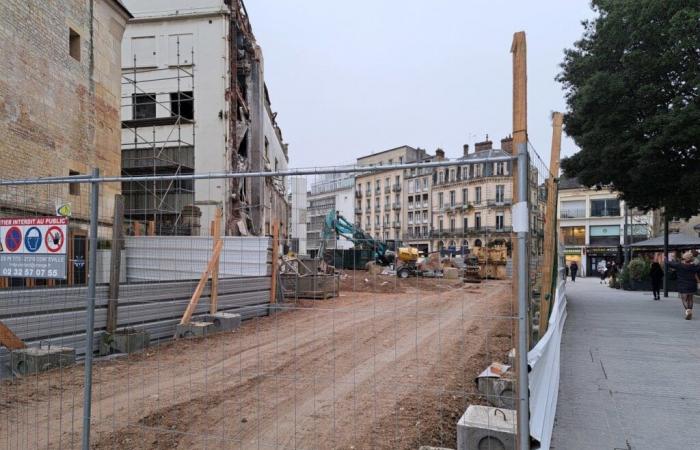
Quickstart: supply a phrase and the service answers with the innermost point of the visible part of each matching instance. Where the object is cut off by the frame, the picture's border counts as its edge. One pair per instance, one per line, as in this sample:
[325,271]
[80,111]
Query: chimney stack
[466,149]
[484,145]
[439,154]
[507,144]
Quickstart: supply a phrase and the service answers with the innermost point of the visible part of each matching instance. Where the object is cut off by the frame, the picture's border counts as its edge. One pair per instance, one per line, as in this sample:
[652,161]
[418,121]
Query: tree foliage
[632,89]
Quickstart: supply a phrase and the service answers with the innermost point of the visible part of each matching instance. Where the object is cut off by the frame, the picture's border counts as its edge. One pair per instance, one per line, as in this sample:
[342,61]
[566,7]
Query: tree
[631,86]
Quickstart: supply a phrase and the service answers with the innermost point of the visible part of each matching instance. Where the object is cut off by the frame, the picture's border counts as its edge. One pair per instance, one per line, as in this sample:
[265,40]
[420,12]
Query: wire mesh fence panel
[349,310]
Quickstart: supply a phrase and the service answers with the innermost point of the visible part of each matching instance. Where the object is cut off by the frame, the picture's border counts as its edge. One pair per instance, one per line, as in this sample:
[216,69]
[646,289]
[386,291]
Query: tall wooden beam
[520,309]
[115,263]
[519,51]
[275,256]
[216,238]
[550,223]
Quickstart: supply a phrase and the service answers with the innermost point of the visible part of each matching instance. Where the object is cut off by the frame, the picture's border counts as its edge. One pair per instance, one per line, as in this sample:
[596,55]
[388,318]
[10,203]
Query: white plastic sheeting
[543,360]
[169,258]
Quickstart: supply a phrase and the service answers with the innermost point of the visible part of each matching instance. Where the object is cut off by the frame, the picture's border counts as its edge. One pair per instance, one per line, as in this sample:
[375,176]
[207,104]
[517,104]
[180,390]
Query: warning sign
[33,247]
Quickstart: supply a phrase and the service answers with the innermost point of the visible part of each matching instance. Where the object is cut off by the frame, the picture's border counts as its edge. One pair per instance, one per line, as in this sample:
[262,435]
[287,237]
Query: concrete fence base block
[484,427]
[500,392]
[223,321]
[127,340]
[195,329]
[426,447]
[39,359]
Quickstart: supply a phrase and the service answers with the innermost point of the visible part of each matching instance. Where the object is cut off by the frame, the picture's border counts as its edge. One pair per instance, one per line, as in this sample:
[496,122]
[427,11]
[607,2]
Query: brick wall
[55,116]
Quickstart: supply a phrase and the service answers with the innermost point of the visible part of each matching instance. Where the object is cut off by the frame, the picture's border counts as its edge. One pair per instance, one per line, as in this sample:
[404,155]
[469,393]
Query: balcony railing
[411,236]
[387,189]
[396,224]
[396,188]
[368,192]
[471,231]
[358,194]
[358,210]
[609,212]
[377,207]
[396,205]
[387,206]
[572,213]
[499,202]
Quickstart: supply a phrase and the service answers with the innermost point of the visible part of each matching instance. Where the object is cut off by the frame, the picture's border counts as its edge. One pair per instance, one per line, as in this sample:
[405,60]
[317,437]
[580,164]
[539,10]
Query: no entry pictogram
[54,239]
[13,239]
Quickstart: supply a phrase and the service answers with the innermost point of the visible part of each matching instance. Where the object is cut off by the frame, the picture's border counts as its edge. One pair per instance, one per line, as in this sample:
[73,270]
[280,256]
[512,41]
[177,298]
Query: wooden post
[216,238]
[150,228]
[200,286]
[115,263]
[137,228]
[275,246]
[520,327]
[10,339]
[550,221]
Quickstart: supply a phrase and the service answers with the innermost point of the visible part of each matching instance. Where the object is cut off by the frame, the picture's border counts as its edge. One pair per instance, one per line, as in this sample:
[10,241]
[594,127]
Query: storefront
[594,255]
[572,254]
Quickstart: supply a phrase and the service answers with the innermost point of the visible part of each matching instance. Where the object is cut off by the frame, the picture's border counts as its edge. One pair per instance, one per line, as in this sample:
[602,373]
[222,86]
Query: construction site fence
[325,356]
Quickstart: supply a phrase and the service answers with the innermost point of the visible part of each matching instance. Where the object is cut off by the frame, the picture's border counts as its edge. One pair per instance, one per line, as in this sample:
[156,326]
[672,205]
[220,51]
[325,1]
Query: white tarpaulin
[543,360]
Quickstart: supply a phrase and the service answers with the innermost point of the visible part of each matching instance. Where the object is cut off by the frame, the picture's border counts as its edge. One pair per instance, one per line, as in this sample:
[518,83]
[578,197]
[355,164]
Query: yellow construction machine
[405,261]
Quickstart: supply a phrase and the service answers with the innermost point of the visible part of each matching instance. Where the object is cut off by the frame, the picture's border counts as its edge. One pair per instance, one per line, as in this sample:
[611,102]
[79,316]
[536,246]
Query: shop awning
[675,241]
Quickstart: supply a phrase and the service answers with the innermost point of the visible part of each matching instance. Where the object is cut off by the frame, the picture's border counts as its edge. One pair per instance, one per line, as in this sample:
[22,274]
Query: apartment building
[471,201]
[330,192]
[379,200]
[417,217]
[592,225]
[194,100]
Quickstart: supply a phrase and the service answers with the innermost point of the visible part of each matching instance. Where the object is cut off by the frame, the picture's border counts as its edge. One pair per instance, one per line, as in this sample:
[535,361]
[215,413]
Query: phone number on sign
[49,273]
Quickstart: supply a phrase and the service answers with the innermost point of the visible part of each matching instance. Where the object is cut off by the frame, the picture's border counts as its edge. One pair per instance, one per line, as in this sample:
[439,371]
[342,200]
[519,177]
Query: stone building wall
[59,111]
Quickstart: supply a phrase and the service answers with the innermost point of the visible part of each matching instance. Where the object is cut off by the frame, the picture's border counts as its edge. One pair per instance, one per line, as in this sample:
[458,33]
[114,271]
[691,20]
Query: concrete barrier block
[500,392]
[451,273]
[484,427]
[223,321]
[130,340]
[39,359]
[194,329]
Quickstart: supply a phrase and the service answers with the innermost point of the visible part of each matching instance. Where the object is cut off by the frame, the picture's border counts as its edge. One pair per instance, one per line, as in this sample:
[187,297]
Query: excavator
[405,258]
[336,224]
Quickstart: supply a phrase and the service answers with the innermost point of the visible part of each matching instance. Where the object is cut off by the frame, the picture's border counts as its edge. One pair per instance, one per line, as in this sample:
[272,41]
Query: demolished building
[194,100]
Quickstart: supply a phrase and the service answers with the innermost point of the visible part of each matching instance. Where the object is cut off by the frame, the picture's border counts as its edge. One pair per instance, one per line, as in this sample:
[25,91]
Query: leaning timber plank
[9,339]
[200,286]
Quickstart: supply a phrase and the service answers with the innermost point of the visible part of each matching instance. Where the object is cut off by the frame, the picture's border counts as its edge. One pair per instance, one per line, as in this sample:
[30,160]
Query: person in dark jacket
[574,271]
[687,282]
[657,275]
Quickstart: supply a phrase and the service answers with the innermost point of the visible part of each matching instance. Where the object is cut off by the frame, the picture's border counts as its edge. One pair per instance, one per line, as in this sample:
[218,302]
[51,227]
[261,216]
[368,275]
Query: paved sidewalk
[630,372]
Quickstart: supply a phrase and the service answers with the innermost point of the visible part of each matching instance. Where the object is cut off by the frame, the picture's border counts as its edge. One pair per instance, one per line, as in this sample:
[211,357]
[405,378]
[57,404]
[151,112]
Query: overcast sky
[353,78]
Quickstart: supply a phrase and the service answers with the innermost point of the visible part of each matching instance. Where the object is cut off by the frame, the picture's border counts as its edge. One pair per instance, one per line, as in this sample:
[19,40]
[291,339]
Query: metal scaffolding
[159,140]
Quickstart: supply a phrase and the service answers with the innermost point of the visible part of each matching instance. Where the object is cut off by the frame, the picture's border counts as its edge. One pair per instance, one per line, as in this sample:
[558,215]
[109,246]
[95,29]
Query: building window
[182,104]
[425,184]
[573,235]
[440,200]
[73,188]
[477,195]
[144,106]
[465,172]
[441,178]
[573,209]
[452,225]
[465,196]
[477,220]
[500,168]
[453,198]
[143,51]
[500,193]
[465,223]
[606,207]
[499,221]
[74,44]
[604,235]
[440,224]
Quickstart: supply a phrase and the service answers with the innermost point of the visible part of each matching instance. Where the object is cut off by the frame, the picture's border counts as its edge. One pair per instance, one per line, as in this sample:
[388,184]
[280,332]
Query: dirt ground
[367,370]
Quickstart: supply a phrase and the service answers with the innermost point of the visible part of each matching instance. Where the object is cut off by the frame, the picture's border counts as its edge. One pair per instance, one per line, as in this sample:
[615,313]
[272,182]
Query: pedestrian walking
[687,281]
[613,273]
[656,273]
[574,271]
[602,270]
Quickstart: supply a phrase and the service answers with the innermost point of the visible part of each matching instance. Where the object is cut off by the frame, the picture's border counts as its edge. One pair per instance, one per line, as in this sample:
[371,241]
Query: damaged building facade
[194,100]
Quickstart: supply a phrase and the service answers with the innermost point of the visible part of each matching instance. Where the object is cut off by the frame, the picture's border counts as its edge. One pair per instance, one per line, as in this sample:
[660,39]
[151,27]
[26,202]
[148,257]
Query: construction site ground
[389,364]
